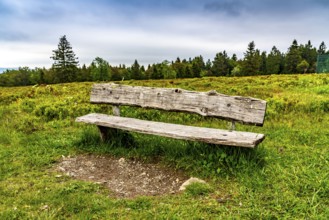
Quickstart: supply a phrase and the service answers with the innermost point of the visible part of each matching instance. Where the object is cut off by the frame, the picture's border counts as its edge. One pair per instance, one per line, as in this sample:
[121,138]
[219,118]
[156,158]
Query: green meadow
[285,177]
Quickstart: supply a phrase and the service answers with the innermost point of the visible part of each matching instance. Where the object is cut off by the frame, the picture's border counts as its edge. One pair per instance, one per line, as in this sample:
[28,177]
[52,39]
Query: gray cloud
[12,36]
[151,31]
[231,8]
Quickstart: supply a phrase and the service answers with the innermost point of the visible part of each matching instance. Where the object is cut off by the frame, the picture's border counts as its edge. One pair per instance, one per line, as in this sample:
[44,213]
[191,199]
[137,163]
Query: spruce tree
[252,61]
[309,54]
[136,72]
[65,62]
[274,61]
[322,48]
[221,65]
[293,58]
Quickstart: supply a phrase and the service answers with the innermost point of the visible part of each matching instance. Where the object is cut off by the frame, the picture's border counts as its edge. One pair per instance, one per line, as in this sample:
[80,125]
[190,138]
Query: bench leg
[107,133]
[118,135]
[104,133]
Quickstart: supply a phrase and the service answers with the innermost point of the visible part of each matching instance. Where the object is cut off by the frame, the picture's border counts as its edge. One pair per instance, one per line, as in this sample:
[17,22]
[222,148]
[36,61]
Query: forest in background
[299,58]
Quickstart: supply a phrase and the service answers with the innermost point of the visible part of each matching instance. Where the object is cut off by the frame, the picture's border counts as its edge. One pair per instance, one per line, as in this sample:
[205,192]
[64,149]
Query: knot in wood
[178,91]
[204,110]
[212,92]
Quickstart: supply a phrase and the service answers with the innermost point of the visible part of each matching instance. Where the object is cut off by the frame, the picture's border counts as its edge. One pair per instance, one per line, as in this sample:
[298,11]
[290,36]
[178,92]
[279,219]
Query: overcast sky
[152,31]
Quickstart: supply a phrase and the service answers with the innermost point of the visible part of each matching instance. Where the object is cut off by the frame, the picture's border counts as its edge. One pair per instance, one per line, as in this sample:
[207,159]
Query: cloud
[12,36]
[152,31]
[231,8]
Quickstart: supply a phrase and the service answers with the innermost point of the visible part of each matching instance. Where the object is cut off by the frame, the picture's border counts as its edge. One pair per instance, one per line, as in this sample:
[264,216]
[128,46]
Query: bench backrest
[234,108]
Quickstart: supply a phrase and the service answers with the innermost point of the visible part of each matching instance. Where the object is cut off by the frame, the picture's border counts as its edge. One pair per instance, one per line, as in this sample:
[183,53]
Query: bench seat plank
[208,135]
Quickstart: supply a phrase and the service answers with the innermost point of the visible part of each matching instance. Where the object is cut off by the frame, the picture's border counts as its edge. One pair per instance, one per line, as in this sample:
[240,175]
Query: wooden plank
[208,135]
[236,108]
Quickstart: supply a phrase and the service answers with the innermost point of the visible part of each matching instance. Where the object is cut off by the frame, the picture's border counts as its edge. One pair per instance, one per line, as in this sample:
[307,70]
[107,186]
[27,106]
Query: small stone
[122,161]
[45,207]
[189,182]
[62,169]
[91,177]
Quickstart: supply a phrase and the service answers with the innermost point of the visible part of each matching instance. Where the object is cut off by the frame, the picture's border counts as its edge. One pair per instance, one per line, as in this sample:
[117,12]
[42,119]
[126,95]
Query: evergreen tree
[234,57]
[221,65]
[115,76]
[167,71]
[252,61]
[197,66]
[154,72]
[273,61]
[322,48]
[263,66]
[309,54]
[84,74]
[293,58]
[188,72]
[208,65]
[136,72]
[65,63]
[179,68]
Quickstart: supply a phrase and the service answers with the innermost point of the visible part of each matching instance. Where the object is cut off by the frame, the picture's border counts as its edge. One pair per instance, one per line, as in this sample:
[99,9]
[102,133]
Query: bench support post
[106,132]
[103,131]
[116,110]
[233,126]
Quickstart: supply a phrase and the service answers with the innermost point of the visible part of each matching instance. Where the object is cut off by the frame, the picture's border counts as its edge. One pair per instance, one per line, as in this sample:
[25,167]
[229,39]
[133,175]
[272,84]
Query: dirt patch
[125,178]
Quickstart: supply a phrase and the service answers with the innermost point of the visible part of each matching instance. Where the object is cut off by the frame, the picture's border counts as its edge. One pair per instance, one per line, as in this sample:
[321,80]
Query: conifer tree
[293,58]
[322,48]
[136,72]
[252,61]
[65,62]
[221,65]
[274,61]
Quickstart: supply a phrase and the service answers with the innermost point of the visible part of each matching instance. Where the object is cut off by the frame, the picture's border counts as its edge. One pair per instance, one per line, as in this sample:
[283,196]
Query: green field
[286,177]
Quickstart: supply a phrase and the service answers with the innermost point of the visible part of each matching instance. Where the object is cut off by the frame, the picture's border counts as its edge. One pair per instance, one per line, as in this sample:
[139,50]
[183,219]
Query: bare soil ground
[125,178]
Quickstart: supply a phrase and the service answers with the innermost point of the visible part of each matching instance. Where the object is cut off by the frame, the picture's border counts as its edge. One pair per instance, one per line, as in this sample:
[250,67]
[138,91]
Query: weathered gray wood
[208,135]
[235,108]
[106,132]
[116,110]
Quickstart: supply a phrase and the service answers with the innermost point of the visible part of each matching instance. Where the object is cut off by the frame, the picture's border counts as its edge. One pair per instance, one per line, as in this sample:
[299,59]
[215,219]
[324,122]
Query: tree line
[299,58]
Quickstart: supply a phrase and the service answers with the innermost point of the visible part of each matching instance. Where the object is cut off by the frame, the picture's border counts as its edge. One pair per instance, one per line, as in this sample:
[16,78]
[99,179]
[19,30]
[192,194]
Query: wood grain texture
[235,108]
[208,135]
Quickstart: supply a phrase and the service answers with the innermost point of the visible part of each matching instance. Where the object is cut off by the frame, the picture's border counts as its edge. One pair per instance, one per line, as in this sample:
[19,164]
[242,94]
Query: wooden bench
[211,104]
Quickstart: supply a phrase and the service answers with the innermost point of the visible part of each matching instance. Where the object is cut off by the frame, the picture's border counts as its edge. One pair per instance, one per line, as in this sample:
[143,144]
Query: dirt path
[125,178]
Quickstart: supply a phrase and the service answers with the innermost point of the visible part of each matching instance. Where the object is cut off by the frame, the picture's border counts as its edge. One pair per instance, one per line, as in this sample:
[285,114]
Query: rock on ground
[189,182]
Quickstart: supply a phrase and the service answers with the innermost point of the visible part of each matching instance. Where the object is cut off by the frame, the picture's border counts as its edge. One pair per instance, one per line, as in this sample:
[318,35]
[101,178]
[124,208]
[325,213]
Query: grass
[286,177]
